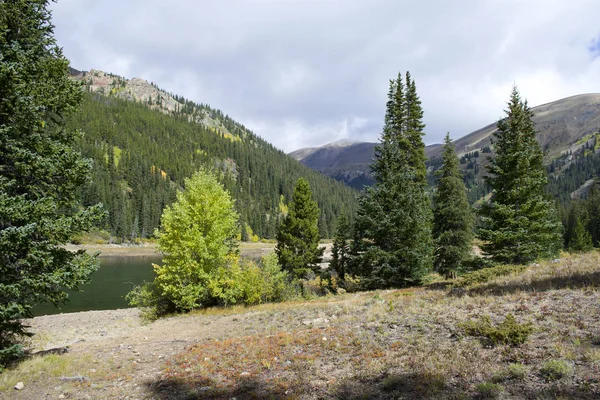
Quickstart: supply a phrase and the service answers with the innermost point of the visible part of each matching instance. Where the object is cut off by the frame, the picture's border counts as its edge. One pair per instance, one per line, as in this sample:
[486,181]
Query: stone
[19,386]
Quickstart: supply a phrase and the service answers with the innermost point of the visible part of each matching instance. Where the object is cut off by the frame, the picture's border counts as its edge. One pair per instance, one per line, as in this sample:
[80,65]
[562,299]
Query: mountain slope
[565,127]
[344,161]
[143,146]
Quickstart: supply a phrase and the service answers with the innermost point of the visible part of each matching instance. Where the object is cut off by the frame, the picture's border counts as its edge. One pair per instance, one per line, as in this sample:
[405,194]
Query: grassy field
[531,334]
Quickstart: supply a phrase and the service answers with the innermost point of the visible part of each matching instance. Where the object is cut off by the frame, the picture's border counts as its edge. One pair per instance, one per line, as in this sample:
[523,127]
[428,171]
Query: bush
[507,332]
[487,274]
[240,281]
[488,390]
[554,370]
[246,282]
[514,371]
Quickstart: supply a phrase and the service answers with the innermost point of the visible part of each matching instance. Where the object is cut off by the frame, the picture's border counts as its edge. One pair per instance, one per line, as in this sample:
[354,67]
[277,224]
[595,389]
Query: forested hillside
[142,156]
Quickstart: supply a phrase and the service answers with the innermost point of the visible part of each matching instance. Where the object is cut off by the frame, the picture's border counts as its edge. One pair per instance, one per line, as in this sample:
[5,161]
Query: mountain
[143,142]
[567,129]
[344,160]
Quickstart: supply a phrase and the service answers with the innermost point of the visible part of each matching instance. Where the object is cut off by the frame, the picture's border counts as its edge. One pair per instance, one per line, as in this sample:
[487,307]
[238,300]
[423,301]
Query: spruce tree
[341,248]
[592,205]
[40,173]
[298,236]
[520,223]
[452,218]
[393,245]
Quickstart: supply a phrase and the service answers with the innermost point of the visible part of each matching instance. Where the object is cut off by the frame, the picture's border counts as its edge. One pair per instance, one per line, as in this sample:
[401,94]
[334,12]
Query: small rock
[19,386]
[62,396]
[324,339]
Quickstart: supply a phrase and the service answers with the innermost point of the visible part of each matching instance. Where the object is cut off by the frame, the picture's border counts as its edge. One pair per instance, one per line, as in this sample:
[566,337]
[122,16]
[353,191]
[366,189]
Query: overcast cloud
[305,73]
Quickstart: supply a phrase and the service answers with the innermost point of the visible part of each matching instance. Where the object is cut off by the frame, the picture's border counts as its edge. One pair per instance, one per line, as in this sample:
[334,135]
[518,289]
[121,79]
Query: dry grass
[393,344]
[409,344]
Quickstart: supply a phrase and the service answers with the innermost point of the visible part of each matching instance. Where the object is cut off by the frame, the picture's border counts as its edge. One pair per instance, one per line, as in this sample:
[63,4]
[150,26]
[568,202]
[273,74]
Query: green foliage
[452,218]
[554,370]
[340,249]
[158,151]
[392,229]
[508,331]
[298,236]
[488,390]
[246,282]
[487,274]
[196,238]
[40,172]
[515,371]
[520,224]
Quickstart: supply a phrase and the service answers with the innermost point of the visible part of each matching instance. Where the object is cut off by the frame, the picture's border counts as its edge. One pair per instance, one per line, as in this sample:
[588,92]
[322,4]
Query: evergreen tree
[393,244]
[520,223]
[581,240]
[341,246]
[593,211]
[298,236]
[452,218]
[40,173]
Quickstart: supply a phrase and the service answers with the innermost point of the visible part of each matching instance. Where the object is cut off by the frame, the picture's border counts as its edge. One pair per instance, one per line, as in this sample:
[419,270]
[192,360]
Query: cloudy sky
[307,72]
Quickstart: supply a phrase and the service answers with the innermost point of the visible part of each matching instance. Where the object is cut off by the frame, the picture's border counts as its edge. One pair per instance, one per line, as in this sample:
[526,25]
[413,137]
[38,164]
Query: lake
[108,287]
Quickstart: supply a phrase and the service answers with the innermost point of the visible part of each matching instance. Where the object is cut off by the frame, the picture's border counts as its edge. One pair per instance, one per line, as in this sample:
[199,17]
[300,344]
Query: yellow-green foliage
[196,240]
[117,154]
[554,370]
[487,274]
[253,237]
[248,282]
[508,331]
[283,208]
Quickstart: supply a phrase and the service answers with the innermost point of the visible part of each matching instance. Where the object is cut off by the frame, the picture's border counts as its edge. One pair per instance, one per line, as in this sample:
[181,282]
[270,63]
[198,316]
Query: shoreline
[252,250]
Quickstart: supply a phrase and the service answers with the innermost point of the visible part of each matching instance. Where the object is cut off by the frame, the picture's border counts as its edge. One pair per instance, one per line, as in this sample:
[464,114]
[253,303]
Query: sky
[303,73]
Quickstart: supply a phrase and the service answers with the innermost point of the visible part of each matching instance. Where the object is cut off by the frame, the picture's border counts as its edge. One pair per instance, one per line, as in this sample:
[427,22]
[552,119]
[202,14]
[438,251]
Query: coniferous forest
[140,158]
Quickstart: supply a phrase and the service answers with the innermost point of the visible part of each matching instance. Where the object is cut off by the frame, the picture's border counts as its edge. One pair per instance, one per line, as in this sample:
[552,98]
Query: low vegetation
[386,344]
[508,331]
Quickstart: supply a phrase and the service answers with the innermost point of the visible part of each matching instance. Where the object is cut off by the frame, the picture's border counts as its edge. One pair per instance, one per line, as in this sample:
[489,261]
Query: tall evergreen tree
[297,247]
[341,246]
[520,223]
[40,173]
[393,245]
[452,218]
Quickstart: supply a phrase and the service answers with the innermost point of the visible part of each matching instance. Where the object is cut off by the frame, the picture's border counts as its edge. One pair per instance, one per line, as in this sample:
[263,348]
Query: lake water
[108,287]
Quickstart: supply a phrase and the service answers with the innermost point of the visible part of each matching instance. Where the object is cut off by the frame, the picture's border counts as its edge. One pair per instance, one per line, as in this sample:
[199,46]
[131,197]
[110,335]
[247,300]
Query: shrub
[514,371]
[489,390]
[554,370]
[247,282]
[507,332]
[487,274]
[517,371]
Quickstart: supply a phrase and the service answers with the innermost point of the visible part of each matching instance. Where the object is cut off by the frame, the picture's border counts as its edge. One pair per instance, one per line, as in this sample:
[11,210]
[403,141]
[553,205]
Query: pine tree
[393,245]
[452,218]
[341,248]
[298,236]
[520,223]
[592,205]
[40,173]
